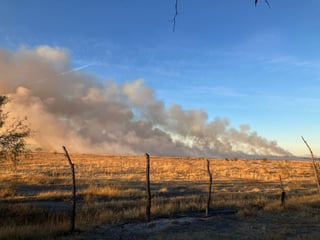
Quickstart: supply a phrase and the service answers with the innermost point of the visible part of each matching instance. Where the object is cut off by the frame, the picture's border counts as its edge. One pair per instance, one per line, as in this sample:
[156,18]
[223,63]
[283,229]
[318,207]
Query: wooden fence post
[283,193]
[210,188]
[315,169]
[148,207]
[73,216]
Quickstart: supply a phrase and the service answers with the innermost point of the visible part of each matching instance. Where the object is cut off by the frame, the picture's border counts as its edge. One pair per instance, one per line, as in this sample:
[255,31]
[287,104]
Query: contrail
[77,69]
[64,73]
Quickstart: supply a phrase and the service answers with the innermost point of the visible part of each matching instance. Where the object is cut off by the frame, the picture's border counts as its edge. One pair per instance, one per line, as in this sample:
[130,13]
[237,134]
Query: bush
[12,136]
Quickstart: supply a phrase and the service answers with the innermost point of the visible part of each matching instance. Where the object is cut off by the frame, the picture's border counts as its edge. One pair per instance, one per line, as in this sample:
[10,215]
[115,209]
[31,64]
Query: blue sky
[253,65]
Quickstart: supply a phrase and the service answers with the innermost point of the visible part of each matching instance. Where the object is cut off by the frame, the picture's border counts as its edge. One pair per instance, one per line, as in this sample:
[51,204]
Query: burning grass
[35,195]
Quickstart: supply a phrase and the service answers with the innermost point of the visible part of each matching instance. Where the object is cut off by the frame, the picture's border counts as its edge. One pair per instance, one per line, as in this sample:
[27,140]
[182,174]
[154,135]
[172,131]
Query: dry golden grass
[111,189]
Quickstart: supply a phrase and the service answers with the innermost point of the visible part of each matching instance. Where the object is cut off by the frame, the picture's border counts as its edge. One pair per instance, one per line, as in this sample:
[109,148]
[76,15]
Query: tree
[12,136]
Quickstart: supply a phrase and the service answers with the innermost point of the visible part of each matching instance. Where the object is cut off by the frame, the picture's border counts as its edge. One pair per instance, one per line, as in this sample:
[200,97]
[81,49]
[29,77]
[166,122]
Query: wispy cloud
[290,63]
[222,91]
[304,103]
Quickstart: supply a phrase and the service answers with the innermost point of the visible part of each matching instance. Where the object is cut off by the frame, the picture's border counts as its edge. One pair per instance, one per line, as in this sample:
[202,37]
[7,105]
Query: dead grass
[111,189]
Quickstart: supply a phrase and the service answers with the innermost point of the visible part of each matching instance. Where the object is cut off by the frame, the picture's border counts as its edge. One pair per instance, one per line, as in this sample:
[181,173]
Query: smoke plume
[66,106]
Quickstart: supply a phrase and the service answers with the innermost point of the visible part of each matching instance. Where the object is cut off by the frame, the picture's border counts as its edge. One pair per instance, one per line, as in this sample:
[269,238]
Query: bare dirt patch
[287,225]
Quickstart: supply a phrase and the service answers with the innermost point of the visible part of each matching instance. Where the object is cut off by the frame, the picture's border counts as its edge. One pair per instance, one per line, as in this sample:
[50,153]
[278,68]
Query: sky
[229,61]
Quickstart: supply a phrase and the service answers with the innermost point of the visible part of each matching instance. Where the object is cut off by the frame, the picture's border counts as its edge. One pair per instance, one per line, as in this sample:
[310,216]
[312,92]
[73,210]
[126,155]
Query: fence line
[112,179]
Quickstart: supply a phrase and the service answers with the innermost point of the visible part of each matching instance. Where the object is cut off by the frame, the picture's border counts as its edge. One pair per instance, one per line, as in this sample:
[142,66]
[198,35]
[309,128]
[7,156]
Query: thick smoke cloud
[73,108]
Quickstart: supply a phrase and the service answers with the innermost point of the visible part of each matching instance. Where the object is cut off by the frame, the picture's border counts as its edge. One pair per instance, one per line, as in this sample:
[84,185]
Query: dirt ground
[285,225]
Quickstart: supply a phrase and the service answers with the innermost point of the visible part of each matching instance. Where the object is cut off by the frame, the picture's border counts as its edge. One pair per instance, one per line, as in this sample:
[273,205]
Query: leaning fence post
[313,164]
[210,188]
[73,216]
[148,207]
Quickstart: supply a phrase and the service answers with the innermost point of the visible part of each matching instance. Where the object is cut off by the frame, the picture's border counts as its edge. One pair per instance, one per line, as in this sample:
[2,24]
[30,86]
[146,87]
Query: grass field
[35,194]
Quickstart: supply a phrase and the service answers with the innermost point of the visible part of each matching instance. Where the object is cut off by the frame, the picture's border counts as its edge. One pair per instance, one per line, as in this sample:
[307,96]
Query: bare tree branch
[176,12]
[174,17]
[266,1]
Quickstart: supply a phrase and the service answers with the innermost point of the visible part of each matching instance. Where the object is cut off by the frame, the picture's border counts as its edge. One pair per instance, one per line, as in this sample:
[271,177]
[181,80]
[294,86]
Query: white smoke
[66,106]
